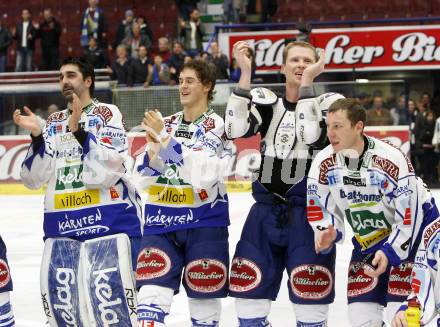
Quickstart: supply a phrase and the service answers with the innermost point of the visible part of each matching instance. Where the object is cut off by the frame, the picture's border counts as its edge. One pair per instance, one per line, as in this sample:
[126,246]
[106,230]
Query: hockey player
[6,315]
[92,217]
[372,184]
[424,283]
[276,235]
[186,214]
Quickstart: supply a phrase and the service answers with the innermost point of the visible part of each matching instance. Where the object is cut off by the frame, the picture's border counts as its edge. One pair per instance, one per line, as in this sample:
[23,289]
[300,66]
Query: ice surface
[21,229]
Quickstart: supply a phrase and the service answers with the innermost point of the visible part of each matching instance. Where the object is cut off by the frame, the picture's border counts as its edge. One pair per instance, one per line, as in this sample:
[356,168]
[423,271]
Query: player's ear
[283,68]
[360,126]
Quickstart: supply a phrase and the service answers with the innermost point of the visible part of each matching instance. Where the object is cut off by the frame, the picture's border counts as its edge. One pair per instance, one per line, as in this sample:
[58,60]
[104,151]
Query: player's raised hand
[380,261]
[313,70]
[399,320]
[325,239]
[240,52]
[28,121]
[153,123]
[76,113]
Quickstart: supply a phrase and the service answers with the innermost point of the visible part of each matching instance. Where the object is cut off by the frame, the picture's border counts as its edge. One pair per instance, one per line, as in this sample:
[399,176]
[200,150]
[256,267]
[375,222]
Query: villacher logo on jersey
[399,282]
[206,275]
[245,275]
[5,276]
[152,263]
[311,281]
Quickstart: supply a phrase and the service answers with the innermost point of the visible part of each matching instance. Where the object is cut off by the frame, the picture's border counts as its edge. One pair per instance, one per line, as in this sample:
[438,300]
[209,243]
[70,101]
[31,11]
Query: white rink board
[22,231]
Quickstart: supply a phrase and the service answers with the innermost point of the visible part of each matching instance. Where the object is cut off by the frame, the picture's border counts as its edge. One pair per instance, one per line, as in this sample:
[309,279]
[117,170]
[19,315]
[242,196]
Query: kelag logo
[69,178]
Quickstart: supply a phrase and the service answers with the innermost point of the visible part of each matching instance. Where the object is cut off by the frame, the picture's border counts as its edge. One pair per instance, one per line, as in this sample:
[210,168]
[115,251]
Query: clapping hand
[29,121]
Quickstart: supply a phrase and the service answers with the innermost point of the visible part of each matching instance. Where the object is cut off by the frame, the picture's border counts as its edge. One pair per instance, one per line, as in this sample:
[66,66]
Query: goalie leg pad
[109,281]
[59,282]
[154,304]
[205,312]
[6,315]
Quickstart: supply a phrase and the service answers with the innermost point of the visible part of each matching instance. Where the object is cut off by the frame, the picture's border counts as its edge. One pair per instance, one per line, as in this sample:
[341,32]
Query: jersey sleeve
[408,215]
[202,165]
[242,119]
[322,210]
[425,273]
[39,164]
[105,152]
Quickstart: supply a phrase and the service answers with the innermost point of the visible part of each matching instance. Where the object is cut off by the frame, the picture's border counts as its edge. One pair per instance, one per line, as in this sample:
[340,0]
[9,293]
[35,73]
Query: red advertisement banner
[13,150]
[367,48]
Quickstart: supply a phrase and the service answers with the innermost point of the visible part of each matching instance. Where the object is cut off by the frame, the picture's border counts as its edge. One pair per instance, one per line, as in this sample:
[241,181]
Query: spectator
[420,119]
[185,7]
[135,41]
[5,42]
[119,69]
[232,10]
[49,33]
[95,55]
[204,55]
[365,100]
[378,115]
[427,156]
[93,23]
[176,62]
[425,100]
[51,109]
[413,114]
[164,49]
[25,33]
[400,113]
[139,68]
[159,73]
[220,61]
[235,70]
[145,30]
[192,32]
[124,28]
[263,9]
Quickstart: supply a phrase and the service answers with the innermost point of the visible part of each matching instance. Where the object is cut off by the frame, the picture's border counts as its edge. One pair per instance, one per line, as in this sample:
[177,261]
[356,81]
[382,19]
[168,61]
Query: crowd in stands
[161,63]
[420,115]
[134,58]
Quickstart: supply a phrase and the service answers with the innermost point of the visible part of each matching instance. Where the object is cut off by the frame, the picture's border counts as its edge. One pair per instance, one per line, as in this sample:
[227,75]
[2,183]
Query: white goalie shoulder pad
[310,116]
[326,100]
[263,96]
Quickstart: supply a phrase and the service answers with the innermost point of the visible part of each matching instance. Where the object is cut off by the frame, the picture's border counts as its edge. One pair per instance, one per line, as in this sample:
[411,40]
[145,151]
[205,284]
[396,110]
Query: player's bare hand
[153,120]
[399,320]
[380,261]
[76,113]
[240,53]
[313,70]
[28,121]
[325,239]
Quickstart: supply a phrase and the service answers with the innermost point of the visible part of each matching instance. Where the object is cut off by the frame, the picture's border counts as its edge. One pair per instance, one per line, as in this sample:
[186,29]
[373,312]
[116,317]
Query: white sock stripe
[6,316]
[7,323]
